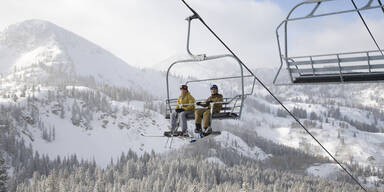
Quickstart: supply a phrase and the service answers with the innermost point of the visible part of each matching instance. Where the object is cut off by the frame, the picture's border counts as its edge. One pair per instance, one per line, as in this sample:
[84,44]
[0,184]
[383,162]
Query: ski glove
[179,110]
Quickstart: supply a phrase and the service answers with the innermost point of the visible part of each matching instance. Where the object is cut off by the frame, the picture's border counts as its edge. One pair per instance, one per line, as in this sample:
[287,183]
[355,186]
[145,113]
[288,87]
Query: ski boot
[184,134]
[207,131]
[198,128]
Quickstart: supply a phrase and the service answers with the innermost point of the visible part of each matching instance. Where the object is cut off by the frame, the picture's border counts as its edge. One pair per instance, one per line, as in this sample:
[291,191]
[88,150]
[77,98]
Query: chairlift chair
[232,106]
[347,67]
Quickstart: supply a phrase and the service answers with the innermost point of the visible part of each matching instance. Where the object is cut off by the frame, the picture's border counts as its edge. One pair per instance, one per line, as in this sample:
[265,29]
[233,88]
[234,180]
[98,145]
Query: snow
[102,144]
[331,170]
[78,88]
[8,163]
[29,44]
[346,148]
[137,105]
[371,180]
[215,160]
[359,148]
[230,141]
[326,170]
[35,41]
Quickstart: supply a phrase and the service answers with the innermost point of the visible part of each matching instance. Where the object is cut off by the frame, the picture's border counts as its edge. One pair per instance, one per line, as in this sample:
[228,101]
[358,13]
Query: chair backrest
[340,63]
[231,108]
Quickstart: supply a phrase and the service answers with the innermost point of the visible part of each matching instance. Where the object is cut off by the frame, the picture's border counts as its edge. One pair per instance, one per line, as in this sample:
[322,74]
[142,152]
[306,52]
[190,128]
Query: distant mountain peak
[36,43]
[32,34]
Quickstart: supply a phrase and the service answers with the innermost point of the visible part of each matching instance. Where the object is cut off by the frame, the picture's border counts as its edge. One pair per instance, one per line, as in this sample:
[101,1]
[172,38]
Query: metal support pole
[314,9]
[340,72]
[286,50]
[369,63]
[313,68]
[189,19]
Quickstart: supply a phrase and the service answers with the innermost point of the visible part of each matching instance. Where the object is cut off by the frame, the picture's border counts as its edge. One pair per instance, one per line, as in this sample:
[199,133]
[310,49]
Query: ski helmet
[185,87]
[214,87]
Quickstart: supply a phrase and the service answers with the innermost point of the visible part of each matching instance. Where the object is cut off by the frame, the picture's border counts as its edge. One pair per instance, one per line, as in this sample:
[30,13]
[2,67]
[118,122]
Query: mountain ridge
[33,43]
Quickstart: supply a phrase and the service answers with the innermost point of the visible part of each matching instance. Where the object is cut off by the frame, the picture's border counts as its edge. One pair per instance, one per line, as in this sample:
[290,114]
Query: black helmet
[185,87]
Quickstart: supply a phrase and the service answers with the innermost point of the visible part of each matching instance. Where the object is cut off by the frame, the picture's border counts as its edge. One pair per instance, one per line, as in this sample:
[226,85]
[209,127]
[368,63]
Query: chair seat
[347,77]
[221,115]
[180,133]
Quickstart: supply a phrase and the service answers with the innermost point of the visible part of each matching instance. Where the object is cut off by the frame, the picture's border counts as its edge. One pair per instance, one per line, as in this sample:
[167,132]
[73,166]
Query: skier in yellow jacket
[206,113]
[185,106]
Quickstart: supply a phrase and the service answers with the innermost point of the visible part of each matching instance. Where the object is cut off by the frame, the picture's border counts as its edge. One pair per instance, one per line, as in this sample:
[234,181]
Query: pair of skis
[179,135]
[202,136]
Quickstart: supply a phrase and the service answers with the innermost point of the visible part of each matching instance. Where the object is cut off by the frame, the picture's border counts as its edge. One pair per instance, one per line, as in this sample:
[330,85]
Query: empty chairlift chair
[352,67]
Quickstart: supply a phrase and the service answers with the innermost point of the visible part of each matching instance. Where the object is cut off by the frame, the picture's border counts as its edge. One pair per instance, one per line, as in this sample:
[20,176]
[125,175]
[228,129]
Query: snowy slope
[230,141]
[328,170]
[106,137]
[103,144]
[342,139]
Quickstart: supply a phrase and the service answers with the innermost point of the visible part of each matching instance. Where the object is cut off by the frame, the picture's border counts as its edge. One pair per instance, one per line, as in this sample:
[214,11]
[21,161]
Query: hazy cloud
[146,32]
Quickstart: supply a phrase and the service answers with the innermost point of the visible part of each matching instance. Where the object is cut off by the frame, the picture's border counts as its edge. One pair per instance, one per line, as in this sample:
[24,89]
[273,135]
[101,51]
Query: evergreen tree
[3,175]
[51,184]
[76,117]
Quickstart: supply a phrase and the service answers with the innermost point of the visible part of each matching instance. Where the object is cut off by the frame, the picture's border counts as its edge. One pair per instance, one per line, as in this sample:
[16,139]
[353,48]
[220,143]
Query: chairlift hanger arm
[190,19]
[270,92]
[312,14]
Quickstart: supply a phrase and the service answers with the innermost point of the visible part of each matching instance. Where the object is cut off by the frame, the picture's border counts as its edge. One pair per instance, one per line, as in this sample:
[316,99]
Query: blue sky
[286,5]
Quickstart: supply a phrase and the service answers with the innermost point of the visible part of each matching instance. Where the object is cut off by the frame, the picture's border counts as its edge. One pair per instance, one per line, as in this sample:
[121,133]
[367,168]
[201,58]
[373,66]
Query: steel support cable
[270,92]
[381,5]
[366,26]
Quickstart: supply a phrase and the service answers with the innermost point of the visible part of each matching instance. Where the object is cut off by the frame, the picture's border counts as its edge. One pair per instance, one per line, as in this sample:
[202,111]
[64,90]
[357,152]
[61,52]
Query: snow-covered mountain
[52,73]
[65,95]
[37,42]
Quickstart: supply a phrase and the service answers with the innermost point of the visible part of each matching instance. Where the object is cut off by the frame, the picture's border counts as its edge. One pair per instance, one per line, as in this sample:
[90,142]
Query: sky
[145,33]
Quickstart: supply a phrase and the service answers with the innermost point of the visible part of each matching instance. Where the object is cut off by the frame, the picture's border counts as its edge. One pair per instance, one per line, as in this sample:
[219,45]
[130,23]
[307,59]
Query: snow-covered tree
[76,117]
[3,175]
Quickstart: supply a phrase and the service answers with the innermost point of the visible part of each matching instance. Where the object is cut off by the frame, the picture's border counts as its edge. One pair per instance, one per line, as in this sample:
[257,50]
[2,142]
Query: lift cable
[366,26]
[381,5]
[270,92]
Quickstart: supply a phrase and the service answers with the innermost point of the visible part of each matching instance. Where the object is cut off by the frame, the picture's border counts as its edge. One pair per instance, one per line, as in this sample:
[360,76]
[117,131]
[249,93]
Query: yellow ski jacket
[186,102]
[214,98]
